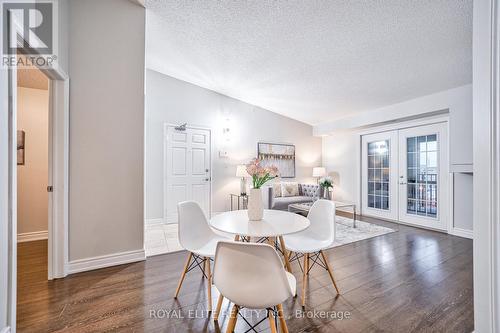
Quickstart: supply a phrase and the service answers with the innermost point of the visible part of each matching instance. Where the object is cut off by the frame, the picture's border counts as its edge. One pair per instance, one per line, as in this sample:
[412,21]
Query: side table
[241,201]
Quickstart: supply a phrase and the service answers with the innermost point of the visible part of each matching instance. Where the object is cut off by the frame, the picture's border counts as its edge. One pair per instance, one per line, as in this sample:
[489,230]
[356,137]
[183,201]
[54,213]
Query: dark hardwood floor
[412,280]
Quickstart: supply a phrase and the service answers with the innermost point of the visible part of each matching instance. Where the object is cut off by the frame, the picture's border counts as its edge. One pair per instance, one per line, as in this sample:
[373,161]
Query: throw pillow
[289,189]
[277,190]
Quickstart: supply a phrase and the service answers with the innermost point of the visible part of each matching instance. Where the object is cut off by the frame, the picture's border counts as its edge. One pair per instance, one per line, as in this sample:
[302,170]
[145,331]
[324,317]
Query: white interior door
[423,172]
[380,175]
[187,169]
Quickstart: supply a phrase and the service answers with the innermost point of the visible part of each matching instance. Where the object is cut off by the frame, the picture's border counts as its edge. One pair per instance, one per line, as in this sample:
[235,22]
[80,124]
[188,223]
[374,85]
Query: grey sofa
[307,193]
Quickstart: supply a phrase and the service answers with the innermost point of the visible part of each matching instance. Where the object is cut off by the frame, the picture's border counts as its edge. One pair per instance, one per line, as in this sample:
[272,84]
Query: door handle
[207,179]
[402,183]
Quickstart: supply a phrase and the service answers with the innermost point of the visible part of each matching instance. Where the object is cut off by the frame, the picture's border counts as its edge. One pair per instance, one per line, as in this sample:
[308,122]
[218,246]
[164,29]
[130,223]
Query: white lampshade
[319,172]
[241,171]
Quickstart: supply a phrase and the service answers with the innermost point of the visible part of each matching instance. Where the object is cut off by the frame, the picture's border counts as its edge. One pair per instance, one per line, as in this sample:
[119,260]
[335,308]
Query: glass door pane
[422,175]
[378,174]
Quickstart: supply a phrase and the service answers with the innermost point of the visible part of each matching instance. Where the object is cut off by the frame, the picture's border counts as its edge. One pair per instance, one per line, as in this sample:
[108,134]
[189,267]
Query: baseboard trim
[32,236]
[462,233]
[5,330]
[155,221]
[88,264]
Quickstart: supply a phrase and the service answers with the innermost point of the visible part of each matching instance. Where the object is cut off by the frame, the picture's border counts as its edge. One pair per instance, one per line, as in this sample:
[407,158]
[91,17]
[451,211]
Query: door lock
[50,189]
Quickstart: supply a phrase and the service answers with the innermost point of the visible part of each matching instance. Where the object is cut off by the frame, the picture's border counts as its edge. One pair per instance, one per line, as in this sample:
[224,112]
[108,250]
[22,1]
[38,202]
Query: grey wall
[169,100]
[63,42]
[106,67]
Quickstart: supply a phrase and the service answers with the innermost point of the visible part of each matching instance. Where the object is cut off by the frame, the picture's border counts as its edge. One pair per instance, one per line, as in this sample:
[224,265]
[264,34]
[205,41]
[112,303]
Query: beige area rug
[347,234]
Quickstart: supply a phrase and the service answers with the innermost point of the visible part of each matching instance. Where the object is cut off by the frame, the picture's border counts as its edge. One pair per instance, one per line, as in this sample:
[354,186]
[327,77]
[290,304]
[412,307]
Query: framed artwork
[20,147]
[280,155]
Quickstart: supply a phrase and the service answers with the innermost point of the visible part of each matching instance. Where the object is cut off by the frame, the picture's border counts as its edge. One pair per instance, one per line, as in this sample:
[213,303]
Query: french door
[405,175]
[187,169]
[380,175]
[423,176]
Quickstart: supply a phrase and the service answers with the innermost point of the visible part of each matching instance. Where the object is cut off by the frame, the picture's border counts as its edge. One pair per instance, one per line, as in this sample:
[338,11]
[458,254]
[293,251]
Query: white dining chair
[310,244]
[196,236]
[252,276]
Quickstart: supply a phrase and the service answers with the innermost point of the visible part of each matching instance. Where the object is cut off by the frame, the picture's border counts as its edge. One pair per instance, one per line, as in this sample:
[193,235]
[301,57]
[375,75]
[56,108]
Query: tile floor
[161,238]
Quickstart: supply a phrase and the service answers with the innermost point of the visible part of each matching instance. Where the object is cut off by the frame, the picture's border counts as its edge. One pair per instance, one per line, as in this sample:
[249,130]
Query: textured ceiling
[313,60]
[31,77]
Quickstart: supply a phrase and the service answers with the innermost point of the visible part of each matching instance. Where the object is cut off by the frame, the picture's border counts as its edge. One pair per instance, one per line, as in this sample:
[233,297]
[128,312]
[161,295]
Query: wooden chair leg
[285,254]
[281,317]
[290,255]
[219,306]
[271,322]
[183,274]
[304,278]
[329,271]
[209,283]
[232,319]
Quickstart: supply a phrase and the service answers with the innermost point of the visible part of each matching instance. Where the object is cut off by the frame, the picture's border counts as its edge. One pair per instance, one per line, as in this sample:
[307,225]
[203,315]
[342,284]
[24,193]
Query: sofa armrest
[270,197]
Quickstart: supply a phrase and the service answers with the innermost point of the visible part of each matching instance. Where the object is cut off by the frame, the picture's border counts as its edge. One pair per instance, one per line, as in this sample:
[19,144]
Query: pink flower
[252,169]
[260,175]
[272,170]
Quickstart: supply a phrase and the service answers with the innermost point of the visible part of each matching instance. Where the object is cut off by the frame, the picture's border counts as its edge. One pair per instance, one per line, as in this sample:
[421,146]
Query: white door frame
[58,200]
[59,167]
[58,171]
[486,137]
[165,138]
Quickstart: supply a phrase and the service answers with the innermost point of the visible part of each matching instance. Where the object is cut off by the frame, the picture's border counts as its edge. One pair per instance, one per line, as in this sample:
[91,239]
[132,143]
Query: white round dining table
[275,223]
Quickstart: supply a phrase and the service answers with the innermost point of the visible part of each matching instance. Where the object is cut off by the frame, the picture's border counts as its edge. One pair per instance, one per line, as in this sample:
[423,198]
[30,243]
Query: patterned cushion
[289,189]
[309,190]
[277,189]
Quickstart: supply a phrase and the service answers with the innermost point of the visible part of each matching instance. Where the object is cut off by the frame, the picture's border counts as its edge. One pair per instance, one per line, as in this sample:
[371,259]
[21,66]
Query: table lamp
[241,171]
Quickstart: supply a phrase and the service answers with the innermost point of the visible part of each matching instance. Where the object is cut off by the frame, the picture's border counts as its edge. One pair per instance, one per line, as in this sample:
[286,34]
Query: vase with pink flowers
[260,175]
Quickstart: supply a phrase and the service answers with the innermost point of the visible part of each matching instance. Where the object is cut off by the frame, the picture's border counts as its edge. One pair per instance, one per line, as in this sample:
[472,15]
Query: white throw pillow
[290,189]
[277,190]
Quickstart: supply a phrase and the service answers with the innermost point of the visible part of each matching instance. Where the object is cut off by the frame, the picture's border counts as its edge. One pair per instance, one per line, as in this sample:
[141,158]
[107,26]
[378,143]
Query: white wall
[174,101]
[438,103]
[341,141]
[32,177]
[106,69]
[341,157]
[463,198]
